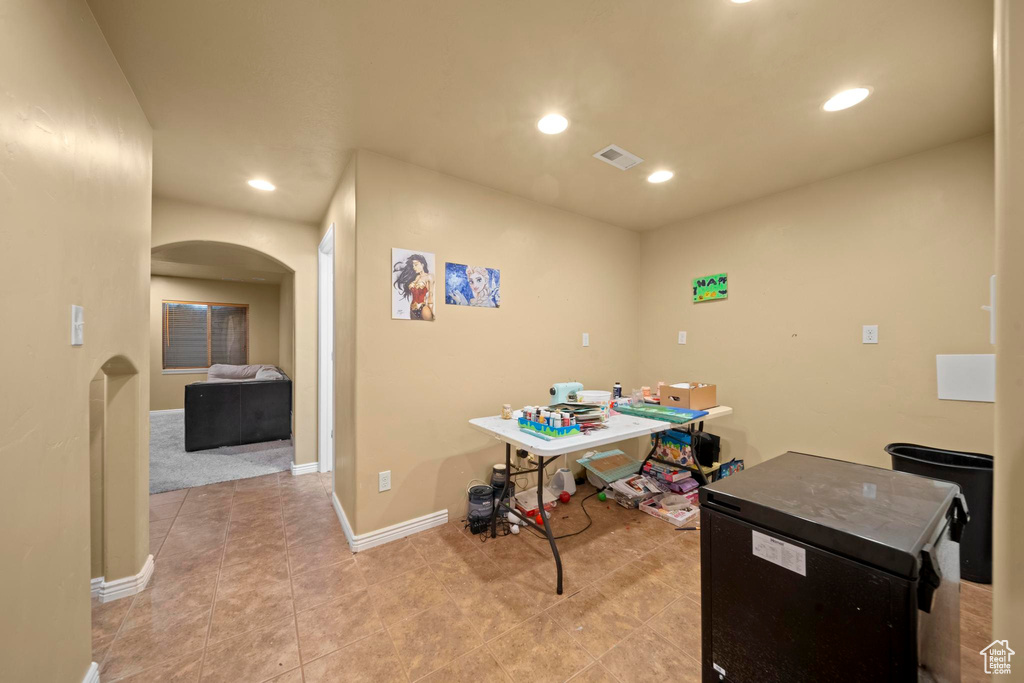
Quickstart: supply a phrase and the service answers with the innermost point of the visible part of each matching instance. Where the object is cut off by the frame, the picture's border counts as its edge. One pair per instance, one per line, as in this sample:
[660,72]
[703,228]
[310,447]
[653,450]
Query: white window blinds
[198,334]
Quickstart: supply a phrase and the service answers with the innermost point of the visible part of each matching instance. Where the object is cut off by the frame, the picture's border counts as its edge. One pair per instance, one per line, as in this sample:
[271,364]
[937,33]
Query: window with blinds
[199,334]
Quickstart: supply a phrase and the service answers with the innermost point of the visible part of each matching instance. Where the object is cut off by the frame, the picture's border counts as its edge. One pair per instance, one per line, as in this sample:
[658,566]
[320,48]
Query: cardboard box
[694,398]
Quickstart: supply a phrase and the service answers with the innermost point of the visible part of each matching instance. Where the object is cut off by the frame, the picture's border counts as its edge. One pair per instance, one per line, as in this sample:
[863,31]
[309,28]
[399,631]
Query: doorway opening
[325,302]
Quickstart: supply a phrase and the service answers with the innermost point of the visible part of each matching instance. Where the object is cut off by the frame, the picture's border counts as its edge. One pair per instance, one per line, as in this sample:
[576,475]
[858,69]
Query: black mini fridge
[815,569]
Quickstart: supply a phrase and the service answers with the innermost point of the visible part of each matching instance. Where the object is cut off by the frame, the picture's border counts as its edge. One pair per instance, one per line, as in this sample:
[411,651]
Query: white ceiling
[728,96]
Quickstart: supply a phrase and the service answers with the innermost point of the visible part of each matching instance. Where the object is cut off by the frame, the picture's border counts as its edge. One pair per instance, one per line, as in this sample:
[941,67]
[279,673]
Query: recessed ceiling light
[264,185]
[660,176]
[846,99]
[740,2]
[553,124]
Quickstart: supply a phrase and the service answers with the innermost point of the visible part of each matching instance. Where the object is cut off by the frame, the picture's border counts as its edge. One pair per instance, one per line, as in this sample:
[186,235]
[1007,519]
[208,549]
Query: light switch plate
[682,337]
[586,339]
[77,325]
[869,335]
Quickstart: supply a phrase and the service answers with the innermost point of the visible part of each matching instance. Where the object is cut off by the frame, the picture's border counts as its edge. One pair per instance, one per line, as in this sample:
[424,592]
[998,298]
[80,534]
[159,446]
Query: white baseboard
[93,674]
[94,586]
[168,411]
[108,591]
[308,468]
[394,532]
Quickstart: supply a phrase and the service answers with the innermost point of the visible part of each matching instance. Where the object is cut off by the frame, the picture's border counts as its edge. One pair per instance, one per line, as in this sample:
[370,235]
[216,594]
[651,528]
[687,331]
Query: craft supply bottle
[617,391]
[565,419]
[506,411]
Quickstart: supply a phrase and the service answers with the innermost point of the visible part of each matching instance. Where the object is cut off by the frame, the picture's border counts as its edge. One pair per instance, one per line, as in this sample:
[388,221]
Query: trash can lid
[873,515]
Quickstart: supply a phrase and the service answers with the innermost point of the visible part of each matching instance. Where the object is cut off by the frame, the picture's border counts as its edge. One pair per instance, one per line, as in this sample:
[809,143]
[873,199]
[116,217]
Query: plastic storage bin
[973,472]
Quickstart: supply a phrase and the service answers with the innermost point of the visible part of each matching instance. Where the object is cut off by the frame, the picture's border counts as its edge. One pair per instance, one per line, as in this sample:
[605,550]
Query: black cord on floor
[583,507]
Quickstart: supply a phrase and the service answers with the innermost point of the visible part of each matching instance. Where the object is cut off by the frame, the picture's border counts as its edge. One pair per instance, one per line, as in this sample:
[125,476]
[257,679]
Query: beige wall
[431,378]
[1008,550]
[342,215]
[907,245]
[291,244]
[167,391]
[75,193]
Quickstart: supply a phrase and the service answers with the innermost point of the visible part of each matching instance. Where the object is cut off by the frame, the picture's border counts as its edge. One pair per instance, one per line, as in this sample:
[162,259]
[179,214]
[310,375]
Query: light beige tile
[322,585]
[433,639]
[407,594]
[646,657]
[184,670]
[253,656]
[108,616]
[189,541]
[593,621]
[335,624]
[637,592]
[167,602]
[185,565]
[331,550]
[440,542]
[249,575]
[370,660]
[312,530]
[270,524]
[551,655]
[165,511]
[473,667]
[594,673]
[160,527]
[679,623]
[293,676]
[168,497]
[254,548]
[141,648]
[388,560]
[237,613]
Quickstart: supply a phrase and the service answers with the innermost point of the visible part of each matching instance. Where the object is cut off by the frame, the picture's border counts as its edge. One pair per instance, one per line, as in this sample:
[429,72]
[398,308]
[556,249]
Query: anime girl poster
[412,285]
[472,286]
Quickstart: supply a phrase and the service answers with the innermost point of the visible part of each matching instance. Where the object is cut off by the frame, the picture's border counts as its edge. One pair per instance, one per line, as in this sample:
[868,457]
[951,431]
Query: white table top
[620,428]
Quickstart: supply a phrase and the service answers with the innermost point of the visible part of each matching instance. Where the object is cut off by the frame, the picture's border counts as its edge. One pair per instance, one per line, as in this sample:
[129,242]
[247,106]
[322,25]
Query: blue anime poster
[472,286]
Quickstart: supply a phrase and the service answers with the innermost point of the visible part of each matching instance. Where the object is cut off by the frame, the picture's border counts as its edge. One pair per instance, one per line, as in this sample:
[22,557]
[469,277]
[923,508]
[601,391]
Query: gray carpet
[171,468]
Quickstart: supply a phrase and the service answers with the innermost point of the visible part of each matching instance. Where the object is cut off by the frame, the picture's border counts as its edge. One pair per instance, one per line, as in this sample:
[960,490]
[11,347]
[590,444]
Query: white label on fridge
[778,552]
[718,668]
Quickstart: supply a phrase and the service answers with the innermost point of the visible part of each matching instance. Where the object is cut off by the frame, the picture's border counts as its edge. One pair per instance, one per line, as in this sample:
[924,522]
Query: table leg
[547,524]
[504,489]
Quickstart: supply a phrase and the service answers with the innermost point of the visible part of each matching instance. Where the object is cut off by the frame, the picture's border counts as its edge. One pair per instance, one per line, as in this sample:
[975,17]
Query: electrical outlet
[870,334]
[586,339]
[384,481]
[682,337]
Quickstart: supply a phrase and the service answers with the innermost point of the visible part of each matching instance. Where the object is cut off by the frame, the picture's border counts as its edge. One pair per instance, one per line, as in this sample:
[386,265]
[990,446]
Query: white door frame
[325,313]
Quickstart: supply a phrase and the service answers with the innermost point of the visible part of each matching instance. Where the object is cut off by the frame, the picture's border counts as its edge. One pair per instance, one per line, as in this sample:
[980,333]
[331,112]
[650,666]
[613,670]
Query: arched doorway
[210,277]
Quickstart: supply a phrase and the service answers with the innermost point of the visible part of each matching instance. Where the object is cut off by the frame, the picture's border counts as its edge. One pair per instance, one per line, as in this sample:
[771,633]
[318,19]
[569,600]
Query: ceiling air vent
[618,157]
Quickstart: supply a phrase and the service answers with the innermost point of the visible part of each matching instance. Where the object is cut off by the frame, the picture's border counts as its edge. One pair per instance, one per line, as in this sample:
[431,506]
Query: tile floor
[254,582]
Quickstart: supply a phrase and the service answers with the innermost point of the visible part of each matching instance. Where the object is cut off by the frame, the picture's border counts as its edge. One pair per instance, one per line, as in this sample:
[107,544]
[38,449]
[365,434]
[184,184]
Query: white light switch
[586,339]
[77,325]
[682,337]
[870,334]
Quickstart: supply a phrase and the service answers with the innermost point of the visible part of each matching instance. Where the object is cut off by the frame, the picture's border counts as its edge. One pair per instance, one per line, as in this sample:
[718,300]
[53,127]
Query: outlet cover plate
[586,339]
[682,337]
[384,481]
[869,335]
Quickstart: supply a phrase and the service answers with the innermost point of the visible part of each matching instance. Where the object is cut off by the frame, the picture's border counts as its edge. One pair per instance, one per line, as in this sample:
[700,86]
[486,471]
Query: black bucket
[973,472]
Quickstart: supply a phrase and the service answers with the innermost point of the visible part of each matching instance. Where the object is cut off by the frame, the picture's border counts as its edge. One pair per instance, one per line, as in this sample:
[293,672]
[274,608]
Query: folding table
[618,428]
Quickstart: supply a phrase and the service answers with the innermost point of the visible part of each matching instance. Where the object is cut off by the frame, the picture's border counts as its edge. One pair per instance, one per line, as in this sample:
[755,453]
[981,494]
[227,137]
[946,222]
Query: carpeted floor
[171,468]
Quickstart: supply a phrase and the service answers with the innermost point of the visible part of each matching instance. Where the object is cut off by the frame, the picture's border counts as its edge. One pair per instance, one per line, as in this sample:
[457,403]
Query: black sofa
[230,413]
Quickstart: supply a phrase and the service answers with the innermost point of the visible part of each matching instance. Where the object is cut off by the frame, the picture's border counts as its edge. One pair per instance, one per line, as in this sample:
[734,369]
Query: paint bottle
[617,391]
[565,419]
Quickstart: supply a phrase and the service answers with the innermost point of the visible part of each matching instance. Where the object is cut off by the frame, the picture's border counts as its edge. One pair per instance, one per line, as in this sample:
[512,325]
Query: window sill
[186,371]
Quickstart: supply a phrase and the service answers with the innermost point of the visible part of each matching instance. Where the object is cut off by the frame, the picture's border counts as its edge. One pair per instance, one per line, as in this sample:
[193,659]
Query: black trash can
[973,472]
